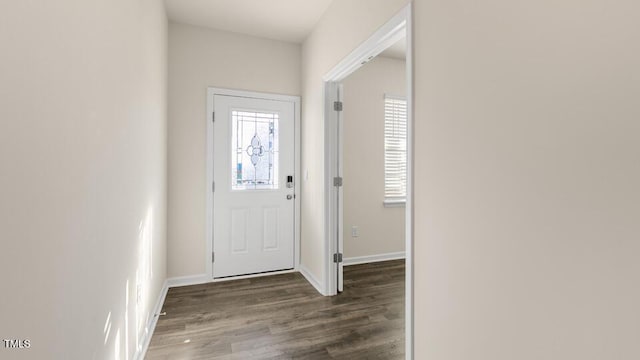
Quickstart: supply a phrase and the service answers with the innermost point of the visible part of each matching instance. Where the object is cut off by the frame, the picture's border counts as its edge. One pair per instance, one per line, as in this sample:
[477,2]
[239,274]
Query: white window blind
[395,148]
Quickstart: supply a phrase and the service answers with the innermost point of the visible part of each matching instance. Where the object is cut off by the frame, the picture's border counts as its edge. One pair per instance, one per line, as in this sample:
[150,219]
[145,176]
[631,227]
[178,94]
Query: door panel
[239,231]
[253,213]
[270,236]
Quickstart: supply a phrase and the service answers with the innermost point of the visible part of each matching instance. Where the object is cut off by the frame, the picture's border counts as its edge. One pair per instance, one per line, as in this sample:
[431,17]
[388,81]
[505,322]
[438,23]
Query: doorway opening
[377,169]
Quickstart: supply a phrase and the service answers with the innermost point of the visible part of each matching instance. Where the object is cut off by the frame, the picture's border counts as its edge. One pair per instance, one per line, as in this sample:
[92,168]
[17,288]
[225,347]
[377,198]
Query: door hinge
[337,181]
[213,186]
[337,258]
[213,257]
[213,116]
[337,105]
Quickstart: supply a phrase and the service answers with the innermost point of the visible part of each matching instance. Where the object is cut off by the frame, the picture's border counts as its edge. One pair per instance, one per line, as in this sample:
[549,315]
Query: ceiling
[285,20]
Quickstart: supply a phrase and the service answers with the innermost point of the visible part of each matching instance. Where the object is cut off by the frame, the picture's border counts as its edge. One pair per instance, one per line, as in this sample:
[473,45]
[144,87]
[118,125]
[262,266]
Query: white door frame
[211,92]
[397,27]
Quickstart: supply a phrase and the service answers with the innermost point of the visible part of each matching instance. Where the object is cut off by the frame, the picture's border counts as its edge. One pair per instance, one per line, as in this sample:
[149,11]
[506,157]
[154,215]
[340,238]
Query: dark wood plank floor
[284,317]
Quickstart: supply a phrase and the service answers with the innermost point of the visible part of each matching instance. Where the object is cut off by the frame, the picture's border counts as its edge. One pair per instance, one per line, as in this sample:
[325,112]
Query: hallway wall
[527,209]
[82,175]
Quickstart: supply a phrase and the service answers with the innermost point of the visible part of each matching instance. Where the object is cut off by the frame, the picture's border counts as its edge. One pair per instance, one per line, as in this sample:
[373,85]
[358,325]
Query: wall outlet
[355,231]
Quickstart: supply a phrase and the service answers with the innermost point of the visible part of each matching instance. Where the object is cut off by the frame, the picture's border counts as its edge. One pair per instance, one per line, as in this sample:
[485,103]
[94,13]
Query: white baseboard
[311,279]
[153,320]
[188,280]
[373,258]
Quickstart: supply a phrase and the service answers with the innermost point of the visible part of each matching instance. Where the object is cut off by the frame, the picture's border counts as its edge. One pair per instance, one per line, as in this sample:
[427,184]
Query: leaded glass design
[254,145]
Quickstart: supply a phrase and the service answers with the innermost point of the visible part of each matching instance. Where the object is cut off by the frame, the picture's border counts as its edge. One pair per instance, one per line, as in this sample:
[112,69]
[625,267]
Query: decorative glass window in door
[254,150]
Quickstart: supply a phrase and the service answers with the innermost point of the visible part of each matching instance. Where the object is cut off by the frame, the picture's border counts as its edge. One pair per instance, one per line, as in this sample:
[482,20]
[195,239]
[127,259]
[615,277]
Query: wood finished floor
[284,317]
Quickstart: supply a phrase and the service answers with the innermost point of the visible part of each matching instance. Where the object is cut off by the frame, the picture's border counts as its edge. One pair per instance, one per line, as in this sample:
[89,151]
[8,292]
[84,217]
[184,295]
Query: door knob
[289,197]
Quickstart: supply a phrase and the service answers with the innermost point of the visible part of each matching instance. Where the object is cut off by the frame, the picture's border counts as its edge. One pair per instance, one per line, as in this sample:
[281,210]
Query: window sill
[394,203]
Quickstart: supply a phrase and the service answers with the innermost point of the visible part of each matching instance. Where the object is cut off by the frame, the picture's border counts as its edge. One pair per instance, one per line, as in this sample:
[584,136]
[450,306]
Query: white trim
[387,35]
[252,94]
[389,203]
[188,280]
[297,180]
[373,258]
[211,91]
[409,212]
[398,26]
[331,192]
[151,325]
[395,97]
[340,192]
[209,176]
[312,279]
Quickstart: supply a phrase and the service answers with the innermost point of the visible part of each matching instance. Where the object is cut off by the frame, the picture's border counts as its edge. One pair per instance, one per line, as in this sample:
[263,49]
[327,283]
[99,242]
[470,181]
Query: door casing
[211,92]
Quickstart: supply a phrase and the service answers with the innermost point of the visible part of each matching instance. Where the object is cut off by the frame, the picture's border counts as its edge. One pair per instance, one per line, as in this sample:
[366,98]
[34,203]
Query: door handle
[289,197]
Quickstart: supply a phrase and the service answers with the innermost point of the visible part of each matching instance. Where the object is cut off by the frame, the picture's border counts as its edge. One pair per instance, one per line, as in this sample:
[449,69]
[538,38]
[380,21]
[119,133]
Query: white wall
[527,209]
[82,175]
[345,24]
[199,58]
[382,229]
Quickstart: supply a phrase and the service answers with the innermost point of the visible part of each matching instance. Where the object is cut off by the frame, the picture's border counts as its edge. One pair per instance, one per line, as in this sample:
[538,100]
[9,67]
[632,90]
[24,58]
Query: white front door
[253,169]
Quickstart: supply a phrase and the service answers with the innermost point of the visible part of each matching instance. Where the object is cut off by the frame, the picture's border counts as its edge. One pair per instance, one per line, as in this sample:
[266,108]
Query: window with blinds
[395,149]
